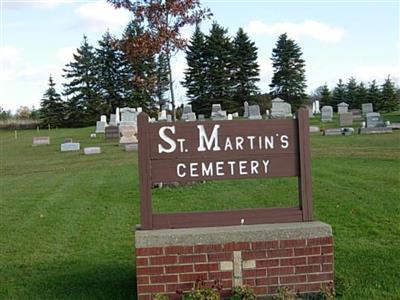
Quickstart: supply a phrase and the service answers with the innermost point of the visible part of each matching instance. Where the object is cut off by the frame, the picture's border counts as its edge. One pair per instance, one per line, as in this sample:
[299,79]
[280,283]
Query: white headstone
[113,120]
[100,127]
[254,112]
[41,140]
[103,118]
[91,150]
[343,108]
[117,115]
[66,147]
[326,113]
[128,135]
[317,109]
[230,117]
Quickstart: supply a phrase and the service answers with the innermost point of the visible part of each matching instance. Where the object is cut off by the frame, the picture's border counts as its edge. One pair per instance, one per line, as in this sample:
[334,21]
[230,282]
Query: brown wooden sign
[214,150]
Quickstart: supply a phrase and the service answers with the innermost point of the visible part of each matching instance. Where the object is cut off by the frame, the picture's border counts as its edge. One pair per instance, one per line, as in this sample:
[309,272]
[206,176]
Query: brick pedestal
[294,255]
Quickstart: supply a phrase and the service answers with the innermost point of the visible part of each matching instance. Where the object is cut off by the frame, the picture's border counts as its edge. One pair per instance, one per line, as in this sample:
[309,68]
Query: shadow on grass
[87,282]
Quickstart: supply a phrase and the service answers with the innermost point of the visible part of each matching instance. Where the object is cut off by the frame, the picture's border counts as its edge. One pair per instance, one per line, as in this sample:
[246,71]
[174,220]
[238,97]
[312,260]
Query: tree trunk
[171,89]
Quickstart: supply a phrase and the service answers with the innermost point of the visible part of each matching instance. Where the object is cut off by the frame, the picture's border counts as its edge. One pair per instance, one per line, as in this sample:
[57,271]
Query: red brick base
[303,265]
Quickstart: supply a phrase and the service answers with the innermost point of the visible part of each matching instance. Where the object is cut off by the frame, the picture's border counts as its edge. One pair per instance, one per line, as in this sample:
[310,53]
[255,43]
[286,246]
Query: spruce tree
[245,69]
[374,96]
[141,82]
[389,100]
[218,55]
[195,80]
[162,84]
[339,93]
[351,92]
[84,104]
[361,95]
[326,96]
[111,72]
[52,108]
[288,81]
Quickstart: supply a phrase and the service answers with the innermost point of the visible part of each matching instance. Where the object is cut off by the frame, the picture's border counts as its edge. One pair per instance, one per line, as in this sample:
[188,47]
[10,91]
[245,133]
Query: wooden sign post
[217,150]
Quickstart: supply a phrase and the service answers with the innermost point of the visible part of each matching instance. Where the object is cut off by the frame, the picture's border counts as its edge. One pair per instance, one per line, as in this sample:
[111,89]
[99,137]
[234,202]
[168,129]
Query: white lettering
[220,168]
[232,163]
[166,139]
[254,167]
[251,138]
[239,142]
[284,141]
[242,167]
[228,144]
[193,169]
[269,142]
[180,141]
[266,163]
[204,139]
[178,172]
[207,171]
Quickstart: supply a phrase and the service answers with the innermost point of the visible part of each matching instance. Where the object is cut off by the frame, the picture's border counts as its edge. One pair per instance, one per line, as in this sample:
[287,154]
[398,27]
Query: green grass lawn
[67,219]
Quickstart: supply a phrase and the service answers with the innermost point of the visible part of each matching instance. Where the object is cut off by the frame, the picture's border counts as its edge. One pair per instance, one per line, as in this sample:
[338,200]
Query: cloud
[99,15]
[380,73]
[9,55]
[309,28]
[35,4]
[65,54]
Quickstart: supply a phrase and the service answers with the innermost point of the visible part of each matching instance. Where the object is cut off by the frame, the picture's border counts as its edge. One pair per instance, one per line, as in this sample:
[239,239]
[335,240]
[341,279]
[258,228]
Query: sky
[339,39]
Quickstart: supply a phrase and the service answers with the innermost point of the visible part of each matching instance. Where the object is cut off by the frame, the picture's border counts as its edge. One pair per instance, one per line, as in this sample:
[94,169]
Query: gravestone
[41,140]
[113,120]
[201,117]
[316,108]
[162,116]
[367,108]
[131,147]
[91,150]
[139,110]
[187,109]
[235,115]
[310,112]
[191,117]
[375,130]
[356,114]
[254,112]
[67,140]
[217,113]
[342,107]
[100,127]
[169,118]
[333,131]
[128,117]
[103,118]
[280,109]
[326,113]
[128,135]
[117,116]
[111,132]
[314,129]
[346,119]
[374,120]
[92,135]
[246,110]
[348,131]
[66,147]
[230,117]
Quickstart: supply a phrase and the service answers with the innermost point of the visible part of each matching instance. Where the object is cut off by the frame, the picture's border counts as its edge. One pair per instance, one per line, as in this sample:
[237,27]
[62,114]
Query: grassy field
[67,219]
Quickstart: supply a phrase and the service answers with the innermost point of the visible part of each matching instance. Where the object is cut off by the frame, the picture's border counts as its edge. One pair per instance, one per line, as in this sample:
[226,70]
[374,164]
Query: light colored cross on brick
[237,266]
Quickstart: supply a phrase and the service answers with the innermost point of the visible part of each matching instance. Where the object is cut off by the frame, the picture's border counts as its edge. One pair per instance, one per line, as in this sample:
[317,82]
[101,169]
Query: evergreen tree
[245,69]
[339,93]
[351,92]
[389,100]
[84,102]
[162,84]
[52,107]
[374,95]
[326,96]
[361,95]
[111,72]
[195,80]
[218,54]
[288,81]
[141,81]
